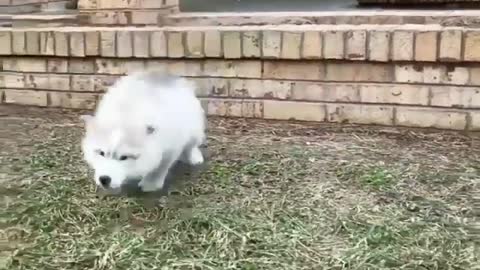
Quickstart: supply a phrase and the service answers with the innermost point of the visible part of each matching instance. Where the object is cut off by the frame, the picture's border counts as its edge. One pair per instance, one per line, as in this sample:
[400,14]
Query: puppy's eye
[122,158]
[101,153]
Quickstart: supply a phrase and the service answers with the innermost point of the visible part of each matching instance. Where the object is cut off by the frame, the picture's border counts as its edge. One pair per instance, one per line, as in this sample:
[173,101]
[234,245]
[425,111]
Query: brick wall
[417,76]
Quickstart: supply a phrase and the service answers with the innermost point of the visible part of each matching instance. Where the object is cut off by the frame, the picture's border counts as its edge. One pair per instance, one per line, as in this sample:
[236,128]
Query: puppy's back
[150,97]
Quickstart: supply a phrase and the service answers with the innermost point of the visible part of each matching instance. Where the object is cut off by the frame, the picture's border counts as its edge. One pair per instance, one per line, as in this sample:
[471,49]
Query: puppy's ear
[150,130]
[87,120]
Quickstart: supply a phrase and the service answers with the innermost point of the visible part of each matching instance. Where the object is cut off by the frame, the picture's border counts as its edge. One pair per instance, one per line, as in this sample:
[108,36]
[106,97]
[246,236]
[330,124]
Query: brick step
[418,2]
[5,20]
[44,20]
[446,18]
[29,7]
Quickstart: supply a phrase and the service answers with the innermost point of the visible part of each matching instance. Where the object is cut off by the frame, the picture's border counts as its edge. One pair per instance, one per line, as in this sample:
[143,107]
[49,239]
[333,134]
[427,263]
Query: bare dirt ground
[275,195]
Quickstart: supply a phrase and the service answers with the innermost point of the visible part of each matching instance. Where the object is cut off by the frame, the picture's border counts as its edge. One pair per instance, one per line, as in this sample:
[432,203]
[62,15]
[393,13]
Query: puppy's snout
[105,180]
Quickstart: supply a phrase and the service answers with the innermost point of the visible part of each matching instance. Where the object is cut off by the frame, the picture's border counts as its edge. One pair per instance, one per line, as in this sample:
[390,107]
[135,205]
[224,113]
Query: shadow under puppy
[144,124]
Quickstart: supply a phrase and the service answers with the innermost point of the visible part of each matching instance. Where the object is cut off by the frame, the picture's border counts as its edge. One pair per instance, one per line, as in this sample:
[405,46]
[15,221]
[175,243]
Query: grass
[274,196]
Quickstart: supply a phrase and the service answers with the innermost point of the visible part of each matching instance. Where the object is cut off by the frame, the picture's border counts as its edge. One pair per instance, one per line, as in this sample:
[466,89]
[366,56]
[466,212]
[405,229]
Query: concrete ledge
[467,18]
[170,16]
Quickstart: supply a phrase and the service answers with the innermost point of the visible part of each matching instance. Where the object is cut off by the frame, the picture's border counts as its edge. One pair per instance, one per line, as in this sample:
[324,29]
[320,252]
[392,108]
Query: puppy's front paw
[149,186]
[196,157]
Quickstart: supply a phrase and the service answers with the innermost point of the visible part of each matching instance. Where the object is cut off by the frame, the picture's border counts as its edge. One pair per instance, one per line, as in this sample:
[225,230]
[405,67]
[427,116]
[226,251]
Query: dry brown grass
[274,196]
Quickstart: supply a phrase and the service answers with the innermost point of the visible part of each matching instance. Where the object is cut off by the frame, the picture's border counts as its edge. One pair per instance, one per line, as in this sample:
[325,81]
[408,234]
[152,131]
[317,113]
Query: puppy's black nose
[105,180]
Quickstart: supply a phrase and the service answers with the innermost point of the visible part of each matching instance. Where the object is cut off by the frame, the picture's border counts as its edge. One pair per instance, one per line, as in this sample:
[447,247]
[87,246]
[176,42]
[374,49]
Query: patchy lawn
[274,196]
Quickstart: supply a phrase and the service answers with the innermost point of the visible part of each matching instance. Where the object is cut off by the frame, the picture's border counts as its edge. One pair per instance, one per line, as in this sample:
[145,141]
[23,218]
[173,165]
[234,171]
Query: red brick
[13,80]
[33,42]
[272,44]
[430,118]
[409,73]
[26,97]
[195,44]
[184,68]
[457,75]
[124,41]
[291,45]
[73,100]
[334,45]
[251,44]
[5,43]
[107,44]
[25,64]
[252,108]
[146,17]
[83,83]
[329,92]
[450,45]
[81,65]
[293,70]
[457,97]
[394,94]
[47,43]
[141,43]
[117,67]
[472,46]
[213,43]
[102,82]
[360,114]
[61,43]
[176,48]
[260,89]
[358,72]
[232,44]
[211,86]
[92,43]
[158,44]
[57,65]
[356,45]
[426,46]
[312,45]
[293,110]
[77,44]
[402,46]
[242,69]
[19,46]
[379,46]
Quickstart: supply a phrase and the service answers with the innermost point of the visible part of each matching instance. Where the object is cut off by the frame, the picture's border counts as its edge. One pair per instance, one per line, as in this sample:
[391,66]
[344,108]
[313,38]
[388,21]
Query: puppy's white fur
[144,123]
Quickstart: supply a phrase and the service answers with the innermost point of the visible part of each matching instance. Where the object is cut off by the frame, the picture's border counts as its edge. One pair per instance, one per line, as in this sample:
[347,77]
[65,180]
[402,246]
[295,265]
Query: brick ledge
[382,43]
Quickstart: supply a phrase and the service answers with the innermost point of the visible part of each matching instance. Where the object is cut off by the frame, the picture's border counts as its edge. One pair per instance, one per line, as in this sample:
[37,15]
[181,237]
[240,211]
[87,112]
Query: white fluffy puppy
[144,123]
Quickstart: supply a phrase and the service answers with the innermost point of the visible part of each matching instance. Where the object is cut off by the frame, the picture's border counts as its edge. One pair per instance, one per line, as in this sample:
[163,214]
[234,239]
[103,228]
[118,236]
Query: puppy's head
[117,153]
